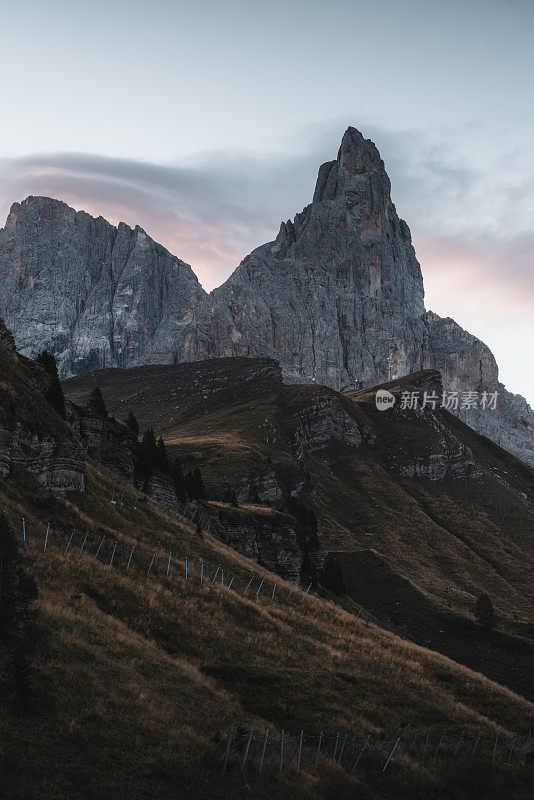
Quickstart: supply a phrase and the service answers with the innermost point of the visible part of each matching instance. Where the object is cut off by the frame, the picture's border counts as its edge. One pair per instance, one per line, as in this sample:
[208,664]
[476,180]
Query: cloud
[470,211]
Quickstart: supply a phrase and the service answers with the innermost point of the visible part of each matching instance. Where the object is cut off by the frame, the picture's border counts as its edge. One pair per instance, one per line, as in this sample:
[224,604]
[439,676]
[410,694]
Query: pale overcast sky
[206,123]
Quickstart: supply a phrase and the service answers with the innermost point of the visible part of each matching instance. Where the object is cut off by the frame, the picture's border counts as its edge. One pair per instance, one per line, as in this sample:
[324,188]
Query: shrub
[485,613]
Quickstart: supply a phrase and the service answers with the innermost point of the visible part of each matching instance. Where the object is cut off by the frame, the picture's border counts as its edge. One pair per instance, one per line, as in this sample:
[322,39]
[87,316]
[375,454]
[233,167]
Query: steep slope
[92,294]
[138,679]
[32,435]
[437,505]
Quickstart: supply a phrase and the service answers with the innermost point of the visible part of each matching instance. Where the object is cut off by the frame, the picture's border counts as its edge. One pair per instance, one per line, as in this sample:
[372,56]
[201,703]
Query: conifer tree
[200,491]
[131,421]
[54,393]
[178,479]
[485,613]
[147,453]
[161,456]
[96,401]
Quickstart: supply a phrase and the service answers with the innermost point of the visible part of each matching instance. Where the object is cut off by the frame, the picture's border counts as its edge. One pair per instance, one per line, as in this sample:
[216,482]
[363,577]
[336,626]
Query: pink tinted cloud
[482,274]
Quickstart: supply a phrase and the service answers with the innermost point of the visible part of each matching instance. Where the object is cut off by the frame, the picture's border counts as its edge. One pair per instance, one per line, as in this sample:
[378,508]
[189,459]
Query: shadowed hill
[139,678]
[445,510]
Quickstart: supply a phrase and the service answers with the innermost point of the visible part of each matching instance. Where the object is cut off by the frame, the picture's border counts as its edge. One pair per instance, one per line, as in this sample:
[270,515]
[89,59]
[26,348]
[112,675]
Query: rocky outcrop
[448,457]
[337,298]
[92,294]
[105,441]
[467,364]
[270,539]
[58,465]
[161,490]
[259,489]
[322,420]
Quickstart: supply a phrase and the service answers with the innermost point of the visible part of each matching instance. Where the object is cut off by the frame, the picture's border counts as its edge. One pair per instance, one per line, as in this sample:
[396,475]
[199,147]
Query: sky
[206,124]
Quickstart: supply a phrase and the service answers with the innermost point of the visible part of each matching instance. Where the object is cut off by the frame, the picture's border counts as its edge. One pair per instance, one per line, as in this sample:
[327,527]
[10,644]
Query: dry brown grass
[139,677]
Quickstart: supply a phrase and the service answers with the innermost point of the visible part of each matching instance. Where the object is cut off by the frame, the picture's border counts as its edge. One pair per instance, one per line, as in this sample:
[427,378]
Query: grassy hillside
[138,678]
[446,541]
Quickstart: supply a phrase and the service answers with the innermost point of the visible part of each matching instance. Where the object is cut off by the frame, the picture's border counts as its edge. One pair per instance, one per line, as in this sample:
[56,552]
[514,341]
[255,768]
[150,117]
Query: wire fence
[422,747]
[162,564]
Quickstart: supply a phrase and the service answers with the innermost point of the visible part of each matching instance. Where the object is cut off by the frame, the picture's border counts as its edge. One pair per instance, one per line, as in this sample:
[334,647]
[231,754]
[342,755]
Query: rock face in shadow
[102,440]
[58,465]
[272,540]
[337,298]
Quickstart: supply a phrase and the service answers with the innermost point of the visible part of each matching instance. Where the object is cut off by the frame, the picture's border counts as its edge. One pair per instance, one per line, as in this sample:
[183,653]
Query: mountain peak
[358,155]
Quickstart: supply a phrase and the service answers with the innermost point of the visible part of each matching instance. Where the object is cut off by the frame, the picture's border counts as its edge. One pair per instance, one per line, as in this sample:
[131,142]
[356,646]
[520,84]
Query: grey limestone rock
[337,298]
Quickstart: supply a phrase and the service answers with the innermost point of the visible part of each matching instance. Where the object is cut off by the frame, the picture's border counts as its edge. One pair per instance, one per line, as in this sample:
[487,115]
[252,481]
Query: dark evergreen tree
[161,456]
[178,479]
[18,592]
[54,392]
[200,491]
[96,402]
[485,613]
[131,421]
[190,487]
[147,454]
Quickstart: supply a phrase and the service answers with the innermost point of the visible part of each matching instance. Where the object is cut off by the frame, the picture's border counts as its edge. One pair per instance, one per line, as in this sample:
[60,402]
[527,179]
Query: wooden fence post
[495,747]
[80,551]
[99,547]
[335,748]
[292,590]
[300,750]
[365,744]
[425,746]
[151,563]
[391,754]
[228,746]
[130,558]
[440,741]
[512,748]
[457,746]
[266,739]
[318,751]
[247,748]
[68,543]
[342,749]
[305,593]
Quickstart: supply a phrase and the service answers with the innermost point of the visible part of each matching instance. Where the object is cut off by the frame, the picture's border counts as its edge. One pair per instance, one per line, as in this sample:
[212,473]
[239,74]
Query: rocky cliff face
[32,436]
[92,294]
[271,539]
[337,298]
[58,465]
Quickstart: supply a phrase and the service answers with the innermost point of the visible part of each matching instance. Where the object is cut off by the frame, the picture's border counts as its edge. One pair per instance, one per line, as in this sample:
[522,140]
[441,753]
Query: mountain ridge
[337,298]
